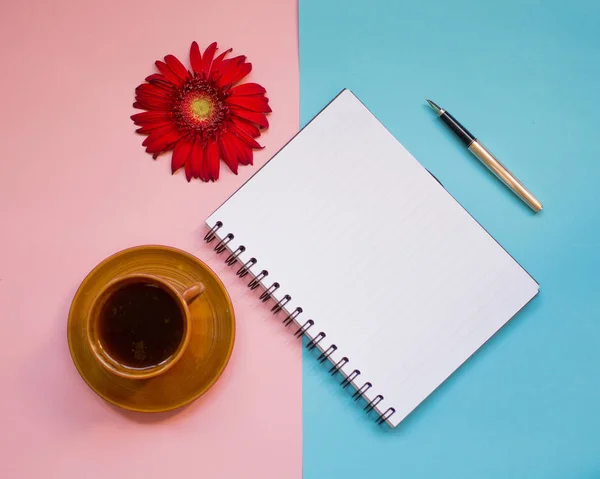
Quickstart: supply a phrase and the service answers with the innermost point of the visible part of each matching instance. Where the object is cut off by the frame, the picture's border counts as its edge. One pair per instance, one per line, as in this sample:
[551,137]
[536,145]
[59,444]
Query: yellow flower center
[201,108]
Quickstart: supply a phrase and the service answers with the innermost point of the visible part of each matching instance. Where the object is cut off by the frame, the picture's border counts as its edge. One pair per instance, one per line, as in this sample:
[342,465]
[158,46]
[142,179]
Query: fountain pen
[489,160]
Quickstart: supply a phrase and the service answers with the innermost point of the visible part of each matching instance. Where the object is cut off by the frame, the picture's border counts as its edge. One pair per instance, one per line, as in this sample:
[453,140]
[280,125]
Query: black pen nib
[436,108]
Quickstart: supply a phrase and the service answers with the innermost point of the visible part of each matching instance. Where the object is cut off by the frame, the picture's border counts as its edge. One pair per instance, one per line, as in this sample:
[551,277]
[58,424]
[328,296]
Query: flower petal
[230,69]
[207,58]
[244,70]
[212,160]
[147,89]
[247,89]
[197,158]
[203,174]
[154,76]
[160,81]
[229,153]
[242,135]
[188,171]
[168,73]
[217,65]
[161,139]
[244,152]
[167,88]
[151,117]
[195,58]
[150,102]
[156,135]
[246,157]
[181,154]
[149,128]
[255,103]
[251,116]
[177,67]
[154,97]
[246,126]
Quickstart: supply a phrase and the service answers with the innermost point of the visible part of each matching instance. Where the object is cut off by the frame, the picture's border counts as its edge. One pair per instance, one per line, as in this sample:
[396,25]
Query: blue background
[524,76]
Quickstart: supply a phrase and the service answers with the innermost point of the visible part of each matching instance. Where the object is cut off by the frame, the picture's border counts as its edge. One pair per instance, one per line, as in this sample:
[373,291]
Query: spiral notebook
[360,249]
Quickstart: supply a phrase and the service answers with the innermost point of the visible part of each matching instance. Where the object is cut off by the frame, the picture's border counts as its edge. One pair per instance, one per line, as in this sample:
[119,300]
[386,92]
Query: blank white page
[376,252]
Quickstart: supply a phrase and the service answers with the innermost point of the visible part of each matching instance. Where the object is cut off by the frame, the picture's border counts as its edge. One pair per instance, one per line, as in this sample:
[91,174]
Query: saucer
[211,341]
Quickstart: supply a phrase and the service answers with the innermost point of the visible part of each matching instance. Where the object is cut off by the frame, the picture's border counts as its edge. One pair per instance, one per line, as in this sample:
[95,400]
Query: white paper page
[373,249]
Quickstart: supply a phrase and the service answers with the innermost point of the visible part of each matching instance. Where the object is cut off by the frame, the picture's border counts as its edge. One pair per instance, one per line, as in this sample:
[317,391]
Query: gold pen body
[502,173]
[489,160]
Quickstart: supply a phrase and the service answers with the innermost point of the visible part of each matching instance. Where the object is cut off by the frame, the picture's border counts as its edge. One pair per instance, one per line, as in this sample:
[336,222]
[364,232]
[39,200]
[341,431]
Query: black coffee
[141,325]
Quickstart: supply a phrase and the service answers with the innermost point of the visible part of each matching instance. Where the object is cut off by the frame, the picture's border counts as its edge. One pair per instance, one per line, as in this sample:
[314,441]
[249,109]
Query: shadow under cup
[138,326]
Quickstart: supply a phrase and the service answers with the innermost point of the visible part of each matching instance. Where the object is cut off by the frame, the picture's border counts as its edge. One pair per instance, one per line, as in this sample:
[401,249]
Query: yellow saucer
[211,341]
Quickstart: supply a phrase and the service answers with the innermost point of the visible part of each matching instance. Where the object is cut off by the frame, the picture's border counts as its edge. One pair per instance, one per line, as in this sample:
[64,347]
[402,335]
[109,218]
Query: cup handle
[193,292]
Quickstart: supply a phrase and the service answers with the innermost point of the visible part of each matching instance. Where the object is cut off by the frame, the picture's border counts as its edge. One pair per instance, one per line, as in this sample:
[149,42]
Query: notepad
[359,248]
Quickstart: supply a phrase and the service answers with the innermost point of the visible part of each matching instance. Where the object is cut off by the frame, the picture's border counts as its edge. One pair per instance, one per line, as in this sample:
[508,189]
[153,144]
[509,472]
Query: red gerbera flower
[202,114]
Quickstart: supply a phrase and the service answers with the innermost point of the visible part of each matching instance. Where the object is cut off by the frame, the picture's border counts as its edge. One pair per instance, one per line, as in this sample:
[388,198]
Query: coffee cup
[139,325]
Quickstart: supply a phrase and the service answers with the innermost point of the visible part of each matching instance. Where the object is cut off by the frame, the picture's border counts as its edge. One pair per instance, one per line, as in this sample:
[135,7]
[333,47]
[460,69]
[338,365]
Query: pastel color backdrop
[76,186]
[523,75]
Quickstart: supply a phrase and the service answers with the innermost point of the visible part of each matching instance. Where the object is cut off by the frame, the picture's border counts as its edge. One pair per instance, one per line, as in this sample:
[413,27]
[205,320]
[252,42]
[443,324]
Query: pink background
[76,186]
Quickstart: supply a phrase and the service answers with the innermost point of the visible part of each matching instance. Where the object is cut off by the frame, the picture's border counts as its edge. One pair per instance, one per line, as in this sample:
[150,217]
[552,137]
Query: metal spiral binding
[385,416]
[267,294]
[291,317]
[325,354]
[222,245]
[316,340]
[255,282]
[232,258]
[337,366]
[353,375]
[243,271]
[374,402]
[282,302]
[305,327]
[360,392]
